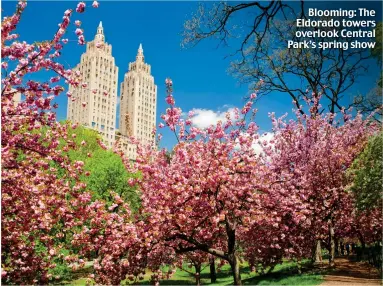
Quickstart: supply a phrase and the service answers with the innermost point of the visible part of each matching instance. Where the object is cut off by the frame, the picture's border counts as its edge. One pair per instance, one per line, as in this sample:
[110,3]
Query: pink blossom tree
[211,191]
[309,157]
[45,206]
[215,194]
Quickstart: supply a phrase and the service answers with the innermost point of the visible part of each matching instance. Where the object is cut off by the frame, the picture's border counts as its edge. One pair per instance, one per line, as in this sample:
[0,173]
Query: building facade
[94,106]
[138,101]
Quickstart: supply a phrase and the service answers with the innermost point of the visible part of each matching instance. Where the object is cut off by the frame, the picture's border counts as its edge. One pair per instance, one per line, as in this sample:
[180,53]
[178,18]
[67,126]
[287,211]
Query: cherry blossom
[44,204]
[80,7]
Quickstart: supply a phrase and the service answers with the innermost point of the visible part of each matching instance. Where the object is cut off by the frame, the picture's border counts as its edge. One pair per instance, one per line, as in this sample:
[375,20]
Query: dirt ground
[352,273]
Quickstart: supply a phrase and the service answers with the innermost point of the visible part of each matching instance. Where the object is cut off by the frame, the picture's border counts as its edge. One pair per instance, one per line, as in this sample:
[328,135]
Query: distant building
[16,97]
[138,95]
[11,94]
[93,108]
[95,105]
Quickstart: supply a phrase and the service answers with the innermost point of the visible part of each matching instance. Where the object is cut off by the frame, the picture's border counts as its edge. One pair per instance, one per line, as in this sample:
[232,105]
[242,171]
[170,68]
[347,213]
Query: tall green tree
[104,169]
[366,175]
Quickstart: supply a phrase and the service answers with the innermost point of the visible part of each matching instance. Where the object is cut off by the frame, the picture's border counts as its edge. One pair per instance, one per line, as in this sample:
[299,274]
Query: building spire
[100,33]
[140,54]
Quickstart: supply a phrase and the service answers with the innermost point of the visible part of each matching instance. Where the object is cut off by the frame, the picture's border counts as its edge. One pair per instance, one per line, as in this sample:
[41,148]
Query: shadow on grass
[283,274]
[75,275]
[284,279]
[222,274]
[287,274]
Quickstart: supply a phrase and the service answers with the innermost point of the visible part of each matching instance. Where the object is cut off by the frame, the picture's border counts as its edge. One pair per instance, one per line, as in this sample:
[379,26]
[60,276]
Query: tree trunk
[213,274]
[232,255]
[342,247]
[234,263]
[197,274]
[336,247]
[362,242]
[299,265]
[331,232]
[317,257]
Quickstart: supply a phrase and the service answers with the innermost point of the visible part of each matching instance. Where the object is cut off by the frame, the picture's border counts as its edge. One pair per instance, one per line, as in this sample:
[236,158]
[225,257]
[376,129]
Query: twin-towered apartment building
[95,106]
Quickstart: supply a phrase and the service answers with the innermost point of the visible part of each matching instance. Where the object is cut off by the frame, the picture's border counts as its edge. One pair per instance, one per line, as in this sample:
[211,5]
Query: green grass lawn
[283,274]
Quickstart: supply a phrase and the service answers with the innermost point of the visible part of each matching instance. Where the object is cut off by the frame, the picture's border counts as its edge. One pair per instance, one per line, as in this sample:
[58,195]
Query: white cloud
[268,136]
[203,118]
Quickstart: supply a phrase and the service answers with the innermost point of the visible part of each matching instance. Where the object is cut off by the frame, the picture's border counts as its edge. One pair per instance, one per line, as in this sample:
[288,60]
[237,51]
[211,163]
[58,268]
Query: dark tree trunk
[213,274]
[342,247]
[361,239]
[232,255]
[336,247]
[197,274]
[331,233]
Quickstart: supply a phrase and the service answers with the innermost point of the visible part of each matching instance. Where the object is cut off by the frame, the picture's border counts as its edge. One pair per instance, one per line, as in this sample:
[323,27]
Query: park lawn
[283,274]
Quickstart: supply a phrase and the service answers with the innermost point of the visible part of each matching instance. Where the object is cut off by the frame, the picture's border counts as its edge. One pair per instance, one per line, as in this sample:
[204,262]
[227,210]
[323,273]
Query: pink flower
[95,4]
[105,93]
[253,96]
[81,40]
[161,125]
[84,84]
[77,23]
[64,41]
[79,32]
[112,207]
[170,100]
[55,79]
[131,182]
[94,91]
[247,107]
[22,4]
[80,7]
[87,173]
[169,82]
[83,104]
[83,143]
[69,94]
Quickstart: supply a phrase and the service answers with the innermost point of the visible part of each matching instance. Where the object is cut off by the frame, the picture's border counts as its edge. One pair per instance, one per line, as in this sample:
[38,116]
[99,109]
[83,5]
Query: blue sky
[199,74]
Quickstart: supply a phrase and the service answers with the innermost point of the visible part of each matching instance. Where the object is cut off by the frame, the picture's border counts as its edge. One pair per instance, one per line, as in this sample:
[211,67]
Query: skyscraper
[138,95]
[95,105]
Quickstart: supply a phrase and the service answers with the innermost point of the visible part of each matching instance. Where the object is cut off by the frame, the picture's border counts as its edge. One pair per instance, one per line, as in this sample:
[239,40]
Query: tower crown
[140,54]
[100,33]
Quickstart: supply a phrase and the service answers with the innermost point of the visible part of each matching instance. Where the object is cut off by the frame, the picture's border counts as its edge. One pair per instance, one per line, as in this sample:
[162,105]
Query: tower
[94,106]
[138,102]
